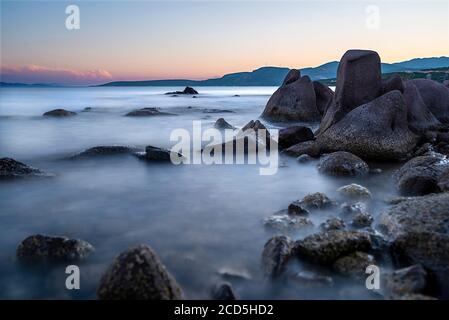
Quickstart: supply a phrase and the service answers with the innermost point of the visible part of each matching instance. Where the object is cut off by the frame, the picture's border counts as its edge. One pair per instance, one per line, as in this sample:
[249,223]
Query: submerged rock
[59,113]
[12,169]
[304,158]
[276,253]
[294,135]
[148,112]
[354,265]
[355,191]
[285,222]
[221,124]
[104,151]
[223,291]
[342,163]
[43,248]
[187,90]
[138,274]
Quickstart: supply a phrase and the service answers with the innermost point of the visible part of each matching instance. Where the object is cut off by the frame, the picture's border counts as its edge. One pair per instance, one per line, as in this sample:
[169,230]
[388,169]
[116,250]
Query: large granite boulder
[324,96]
[293,101]
[358,82]
[436,97]
[376,130]
[138,274]
[293,135]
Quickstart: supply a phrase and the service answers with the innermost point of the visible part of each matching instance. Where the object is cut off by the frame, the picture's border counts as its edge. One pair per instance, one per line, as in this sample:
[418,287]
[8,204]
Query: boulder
[43,248]
[324,96]
[376,130]
[317,200]
[358,82]
[221,124]
[420,175]
[332,224]
[310,148]
[12,169]
[138,274]
[354,265]
[59,113]
[342,163]
[392,83]
[292,76]
[187,90]
[435,96]
[104,151]
[294,135]
[327,247]
[223,291]
[355,191]
[294,101]
[276,253]
[148,112]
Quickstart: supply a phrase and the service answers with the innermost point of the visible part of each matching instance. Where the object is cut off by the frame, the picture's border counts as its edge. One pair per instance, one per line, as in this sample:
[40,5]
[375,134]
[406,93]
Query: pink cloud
[41,74]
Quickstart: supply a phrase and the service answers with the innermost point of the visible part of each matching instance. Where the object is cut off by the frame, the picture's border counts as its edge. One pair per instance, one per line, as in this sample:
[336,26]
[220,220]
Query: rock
[443,181]
[256,126]
[223,291]
[419,117]
[317,200]
[421,175]
[285,222]
[408,280]
[358,82]
[159,154]
[311,278]
[327,247]
[148,112]
[354,264]
[293,135]
[187,90]
[138,274]
[297,208]
[292,76]
[362,220]
[304,158]
[419,233]
[355,191]
[324,96]
[12,169]
[310,148]
[221,124]
[376,130]
[435,96]
[43,248]
[332,224]
[59,113]
[353,208]
[294,101]
[342,163]
[392,83]
[104,151]
[276,253]
[425,149]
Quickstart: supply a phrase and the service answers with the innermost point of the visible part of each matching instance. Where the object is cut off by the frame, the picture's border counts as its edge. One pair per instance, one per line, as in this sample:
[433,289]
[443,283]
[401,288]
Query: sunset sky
[136,40]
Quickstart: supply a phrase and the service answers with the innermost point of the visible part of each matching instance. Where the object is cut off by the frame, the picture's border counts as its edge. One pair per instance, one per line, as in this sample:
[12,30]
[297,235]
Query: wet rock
[12,169]
[221,124]
[297,208]
[59,113]
[223,291]
[362,220]
[352,208]
[310,148]
[293,135]
[276,253]
[355,191]
[327,247]
[408,280]
[159,154]
[138,274]
[286,222]
[392,83]
[342,163]
[304,158]
[43,248]
[187,90]
[420,175]
[332,224]
[148,112]
[293,101]
[358,82]
[104,151]
[354,265]
[376,130]
[436,97]
[317,200]
[324,96]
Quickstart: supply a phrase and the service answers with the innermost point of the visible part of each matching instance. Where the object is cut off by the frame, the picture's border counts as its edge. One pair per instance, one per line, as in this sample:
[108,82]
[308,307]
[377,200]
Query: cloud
[41,74]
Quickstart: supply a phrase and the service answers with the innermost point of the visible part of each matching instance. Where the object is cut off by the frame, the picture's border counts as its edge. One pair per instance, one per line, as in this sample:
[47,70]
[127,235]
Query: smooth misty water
[198,218]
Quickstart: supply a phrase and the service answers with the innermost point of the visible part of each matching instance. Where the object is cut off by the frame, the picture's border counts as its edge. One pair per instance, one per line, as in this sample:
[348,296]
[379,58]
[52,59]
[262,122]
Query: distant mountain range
[272,76]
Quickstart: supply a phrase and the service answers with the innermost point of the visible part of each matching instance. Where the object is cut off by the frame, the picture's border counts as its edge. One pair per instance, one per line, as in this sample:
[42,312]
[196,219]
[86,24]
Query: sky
[137,40]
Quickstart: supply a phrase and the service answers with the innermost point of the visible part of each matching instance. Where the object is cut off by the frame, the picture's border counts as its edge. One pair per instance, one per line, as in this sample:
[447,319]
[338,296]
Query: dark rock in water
[310,148]
[354,265]
[294,101]
[304,158]
[297,208]
[138,274]
[392,83]
[59,113]
[293,135]
[104,151]
[408,280]
[342,163]
[362,220]
[419,117]
[276,253]
[187,90]
[355,191]
[333,224]
[223,291]
[148,112]
[324,96]
[221,124]
[327,247]
[376,130]
[358,82]
[256,126]
[42,248]
[419,233]
[421,175]
[317,200]
[11,169]
[436,97]
[292,76]
[159,154]
[284,222]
